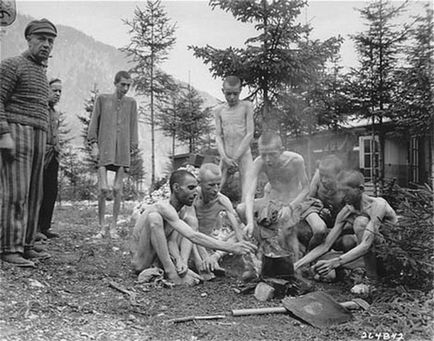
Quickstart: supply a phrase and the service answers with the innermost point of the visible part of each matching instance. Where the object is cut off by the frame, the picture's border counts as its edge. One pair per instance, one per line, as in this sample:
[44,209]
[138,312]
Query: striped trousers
[21,189]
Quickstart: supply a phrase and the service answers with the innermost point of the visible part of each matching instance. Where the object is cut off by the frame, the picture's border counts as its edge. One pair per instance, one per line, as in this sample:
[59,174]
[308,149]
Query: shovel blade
[318,309]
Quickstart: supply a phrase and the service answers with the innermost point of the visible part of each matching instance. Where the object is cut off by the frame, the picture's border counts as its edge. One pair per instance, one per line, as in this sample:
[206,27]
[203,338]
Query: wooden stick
[196,318]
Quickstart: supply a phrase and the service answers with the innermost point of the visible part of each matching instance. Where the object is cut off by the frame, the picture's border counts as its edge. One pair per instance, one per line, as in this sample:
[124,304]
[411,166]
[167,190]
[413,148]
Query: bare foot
[190,279]
[207,276]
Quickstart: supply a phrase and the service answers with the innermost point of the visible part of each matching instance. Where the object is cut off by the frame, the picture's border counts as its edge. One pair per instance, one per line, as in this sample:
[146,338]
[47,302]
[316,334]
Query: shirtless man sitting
[320,209]
[209,204]
[158,233]
[278,212]
[363,215]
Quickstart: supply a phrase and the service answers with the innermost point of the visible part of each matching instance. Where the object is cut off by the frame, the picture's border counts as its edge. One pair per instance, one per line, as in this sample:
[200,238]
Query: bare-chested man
[363,215]
[209,204]
[234,132]
[324,202]
[278,211]
[159,230]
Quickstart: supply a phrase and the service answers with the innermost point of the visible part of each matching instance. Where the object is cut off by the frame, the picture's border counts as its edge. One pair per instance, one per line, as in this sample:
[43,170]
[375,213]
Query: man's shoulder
[105,97]
[129,99]
[292,157]
[11,61]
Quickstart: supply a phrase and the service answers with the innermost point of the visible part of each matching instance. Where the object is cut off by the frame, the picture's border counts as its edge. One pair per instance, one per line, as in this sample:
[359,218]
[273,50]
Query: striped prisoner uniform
[23,114]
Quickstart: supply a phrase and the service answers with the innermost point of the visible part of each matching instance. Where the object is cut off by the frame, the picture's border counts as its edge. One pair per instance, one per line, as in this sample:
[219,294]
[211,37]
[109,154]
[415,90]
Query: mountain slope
[82,63]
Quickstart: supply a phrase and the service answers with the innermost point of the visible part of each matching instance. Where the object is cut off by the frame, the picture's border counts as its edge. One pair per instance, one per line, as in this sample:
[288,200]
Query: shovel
[317,308]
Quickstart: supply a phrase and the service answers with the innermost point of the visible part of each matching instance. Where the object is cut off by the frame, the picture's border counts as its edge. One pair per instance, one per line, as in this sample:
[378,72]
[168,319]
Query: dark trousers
[49,194]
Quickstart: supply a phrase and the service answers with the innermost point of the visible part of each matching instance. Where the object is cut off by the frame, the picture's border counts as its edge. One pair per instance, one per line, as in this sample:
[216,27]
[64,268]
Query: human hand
[181,268]
[210,263]
[323,267]
[248,230]
[229,161]
[345,212]
[7,147]
[94,152]
[285,213]
[243,247]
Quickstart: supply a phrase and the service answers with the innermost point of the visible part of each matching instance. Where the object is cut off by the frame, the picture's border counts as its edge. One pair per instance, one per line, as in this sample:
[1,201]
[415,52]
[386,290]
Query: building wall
[396,159]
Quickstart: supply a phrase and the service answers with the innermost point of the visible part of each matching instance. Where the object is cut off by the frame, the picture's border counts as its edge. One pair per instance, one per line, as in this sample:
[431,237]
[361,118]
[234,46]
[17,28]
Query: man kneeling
[209,205]
[356,229]
[157,235]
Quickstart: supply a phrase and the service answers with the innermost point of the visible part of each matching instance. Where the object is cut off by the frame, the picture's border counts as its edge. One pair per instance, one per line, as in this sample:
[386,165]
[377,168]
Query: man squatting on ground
[356,229]
[324,202]
[159,231]
[273,217]
[51,163]
[234,132]
[23,128]
[209,204]
[113,136]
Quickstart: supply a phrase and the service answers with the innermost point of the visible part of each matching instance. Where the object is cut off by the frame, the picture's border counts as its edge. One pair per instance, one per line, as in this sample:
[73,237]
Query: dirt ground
[68,297]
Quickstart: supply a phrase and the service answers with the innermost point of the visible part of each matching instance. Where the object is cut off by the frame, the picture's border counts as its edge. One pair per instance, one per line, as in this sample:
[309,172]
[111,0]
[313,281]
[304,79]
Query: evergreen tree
[168,116]
[414,107]
[85,120]
[194,121]
[373,84]
[152,36]
[277,61]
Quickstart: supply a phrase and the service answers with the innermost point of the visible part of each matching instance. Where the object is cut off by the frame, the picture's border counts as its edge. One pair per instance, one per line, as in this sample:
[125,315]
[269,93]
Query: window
[414,159]
[368,157]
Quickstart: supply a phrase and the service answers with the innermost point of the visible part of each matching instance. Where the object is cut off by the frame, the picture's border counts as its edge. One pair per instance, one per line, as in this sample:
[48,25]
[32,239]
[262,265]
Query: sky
[197,24]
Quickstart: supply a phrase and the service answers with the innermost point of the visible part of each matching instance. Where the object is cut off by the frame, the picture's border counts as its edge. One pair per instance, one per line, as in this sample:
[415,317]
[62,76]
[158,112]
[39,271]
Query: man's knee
[360,224]
[117,191]
[241,211]
[348,242]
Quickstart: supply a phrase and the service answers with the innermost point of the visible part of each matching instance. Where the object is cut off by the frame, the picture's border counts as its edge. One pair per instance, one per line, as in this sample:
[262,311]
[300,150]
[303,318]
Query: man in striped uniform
[23,127]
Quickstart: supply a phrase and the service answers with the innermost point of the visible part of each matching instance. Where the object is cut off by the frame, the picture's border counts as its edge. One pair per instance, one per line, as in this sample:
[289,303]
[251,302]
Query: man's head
[350,183]
[232,89]
[40,36]
[183,185]
[329,168]
[55,91]
[210,178]
[270,148]
[122,83]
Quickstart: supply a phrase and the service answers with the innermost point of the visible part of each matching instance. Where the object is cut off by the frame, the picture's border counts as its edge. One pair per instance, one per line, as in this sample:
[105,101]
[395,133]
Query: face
[327,176]
[210,185]
[40,45]
[186,192]
[232,94]
[123,86]
[351,195]
[55,92]
[270,154]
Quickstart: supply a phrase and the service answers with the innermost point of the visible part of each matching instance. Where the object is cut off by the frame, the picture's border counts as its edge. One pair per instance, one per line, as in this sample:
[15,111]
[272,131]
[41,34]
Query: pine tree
[194,121]
[85,120]
[152,36]
[277,61]
[373,84]
[414,107]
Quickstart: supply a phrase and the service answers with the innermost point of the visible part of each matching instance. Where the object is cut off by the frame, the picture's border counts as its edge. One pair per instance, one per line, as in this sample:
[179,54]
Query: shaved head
[269,138]
[208,170]
[178,177]
[351,178]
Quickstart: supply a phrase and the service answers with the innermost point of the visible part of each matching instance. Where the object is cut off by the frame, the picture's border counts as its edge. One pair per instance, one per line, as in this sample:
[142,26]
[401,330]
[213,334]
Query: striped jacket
[23,93]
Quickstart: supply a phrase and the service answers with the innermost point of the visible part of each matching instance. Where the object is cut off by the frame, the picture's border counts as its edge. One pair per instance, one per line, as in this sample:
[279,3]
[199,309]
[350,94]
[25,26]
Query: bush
[406,254]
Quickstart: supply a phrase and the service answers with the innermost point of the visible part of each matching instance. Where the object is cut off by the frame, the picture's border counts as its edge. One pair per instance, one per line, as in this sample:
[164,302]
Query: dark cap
[40,26]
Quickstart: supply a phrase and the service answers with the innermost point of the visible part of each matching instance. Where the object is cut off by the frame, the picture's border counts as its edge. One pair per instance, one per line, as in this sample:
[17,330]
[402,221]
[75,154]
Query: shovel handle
[258,311]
